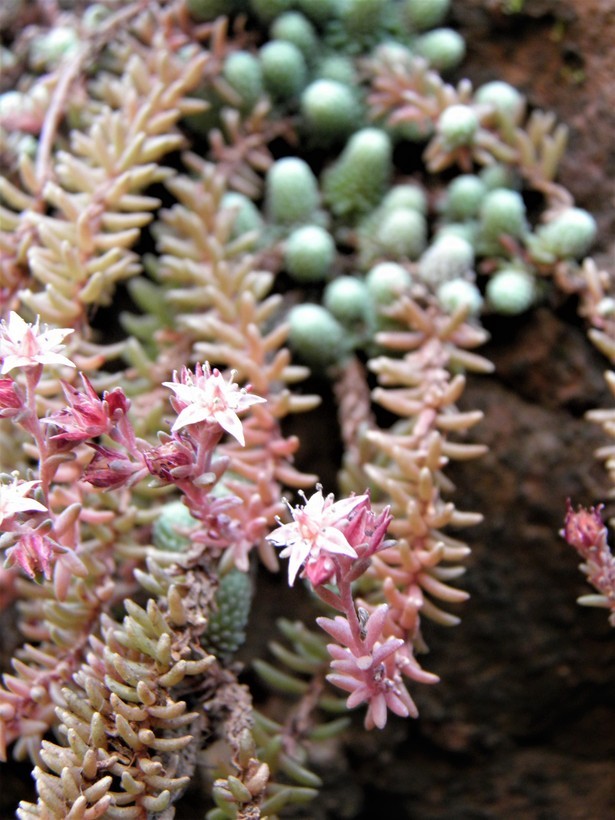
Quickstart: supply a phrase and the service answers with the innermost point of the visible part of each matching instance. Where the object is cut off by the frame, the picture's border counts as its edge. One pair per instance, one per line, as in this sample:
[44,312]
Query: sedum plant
[218,182]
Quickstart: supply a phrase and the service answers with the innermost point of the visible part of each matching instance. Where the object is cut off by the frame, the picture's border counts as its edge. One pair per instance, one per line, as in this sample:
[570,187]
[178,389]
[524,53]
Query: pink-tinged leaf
[375,623]
[340,654]
[347,667]
[338,628]
[396,704]
[359,696]
[74,564]
[345,682]
[388,648]
[402,694]
[377,711]
[409,667]
[67,519]
[17,686]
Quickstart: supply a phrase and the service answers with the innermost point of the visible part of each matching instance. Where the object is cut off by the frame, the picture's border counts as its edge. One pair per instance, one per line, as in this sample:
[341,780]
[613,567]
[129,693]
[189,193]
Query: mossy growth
[226,629]
[357,181]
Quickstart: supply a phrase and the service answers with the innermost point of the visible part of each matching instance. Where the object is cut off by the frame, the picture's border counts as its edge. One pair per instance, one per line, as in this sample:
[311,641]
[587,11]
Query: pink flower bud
[169,461]
[33,553]
[320,571]
[117,403]
[87,416]
[110,468]
[584,529]
[11,399]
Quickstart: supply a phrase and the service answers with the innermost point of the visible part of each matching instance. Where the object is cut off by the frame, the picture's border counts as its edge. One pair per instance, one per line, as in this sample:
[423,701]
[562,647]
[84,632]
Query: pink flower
[206,397]
[315,534]
[13,499]
[365,530]
[110,468]
[169,461]
[33,553]
[86,416]
[11,400]
[320,570]
[25,345]
[585,531]
[368,669]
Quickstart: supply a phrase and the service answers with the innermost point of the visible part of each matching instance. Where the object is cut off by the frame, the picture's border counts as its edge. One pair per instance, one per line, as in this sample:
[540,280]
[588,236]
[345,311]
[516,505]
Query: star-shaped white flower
[26,345]
[206,396]
[13,499]
[315,530]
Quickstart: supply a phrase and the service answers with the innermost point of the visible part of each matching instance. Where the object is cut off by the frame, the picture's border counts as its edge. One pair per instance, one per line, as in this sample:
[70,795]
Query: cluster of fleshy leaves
[329,543]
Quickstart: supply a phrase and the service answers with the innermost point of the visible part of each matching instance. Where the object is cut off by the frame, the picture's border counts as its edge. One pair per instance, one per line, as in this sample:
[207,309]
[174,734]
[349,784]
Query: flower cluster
[64,526]
[586,532]
[86,416]
[207,407]
[35,541]
[332,543]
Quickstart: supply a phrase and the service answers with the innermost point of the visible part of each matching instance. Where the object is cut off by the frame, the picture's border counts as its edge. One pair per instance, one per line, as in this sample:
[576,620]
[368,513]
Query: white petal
[230,422]
[314,505]
[297,554]
[190,415]
[332,540]
[17,327]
